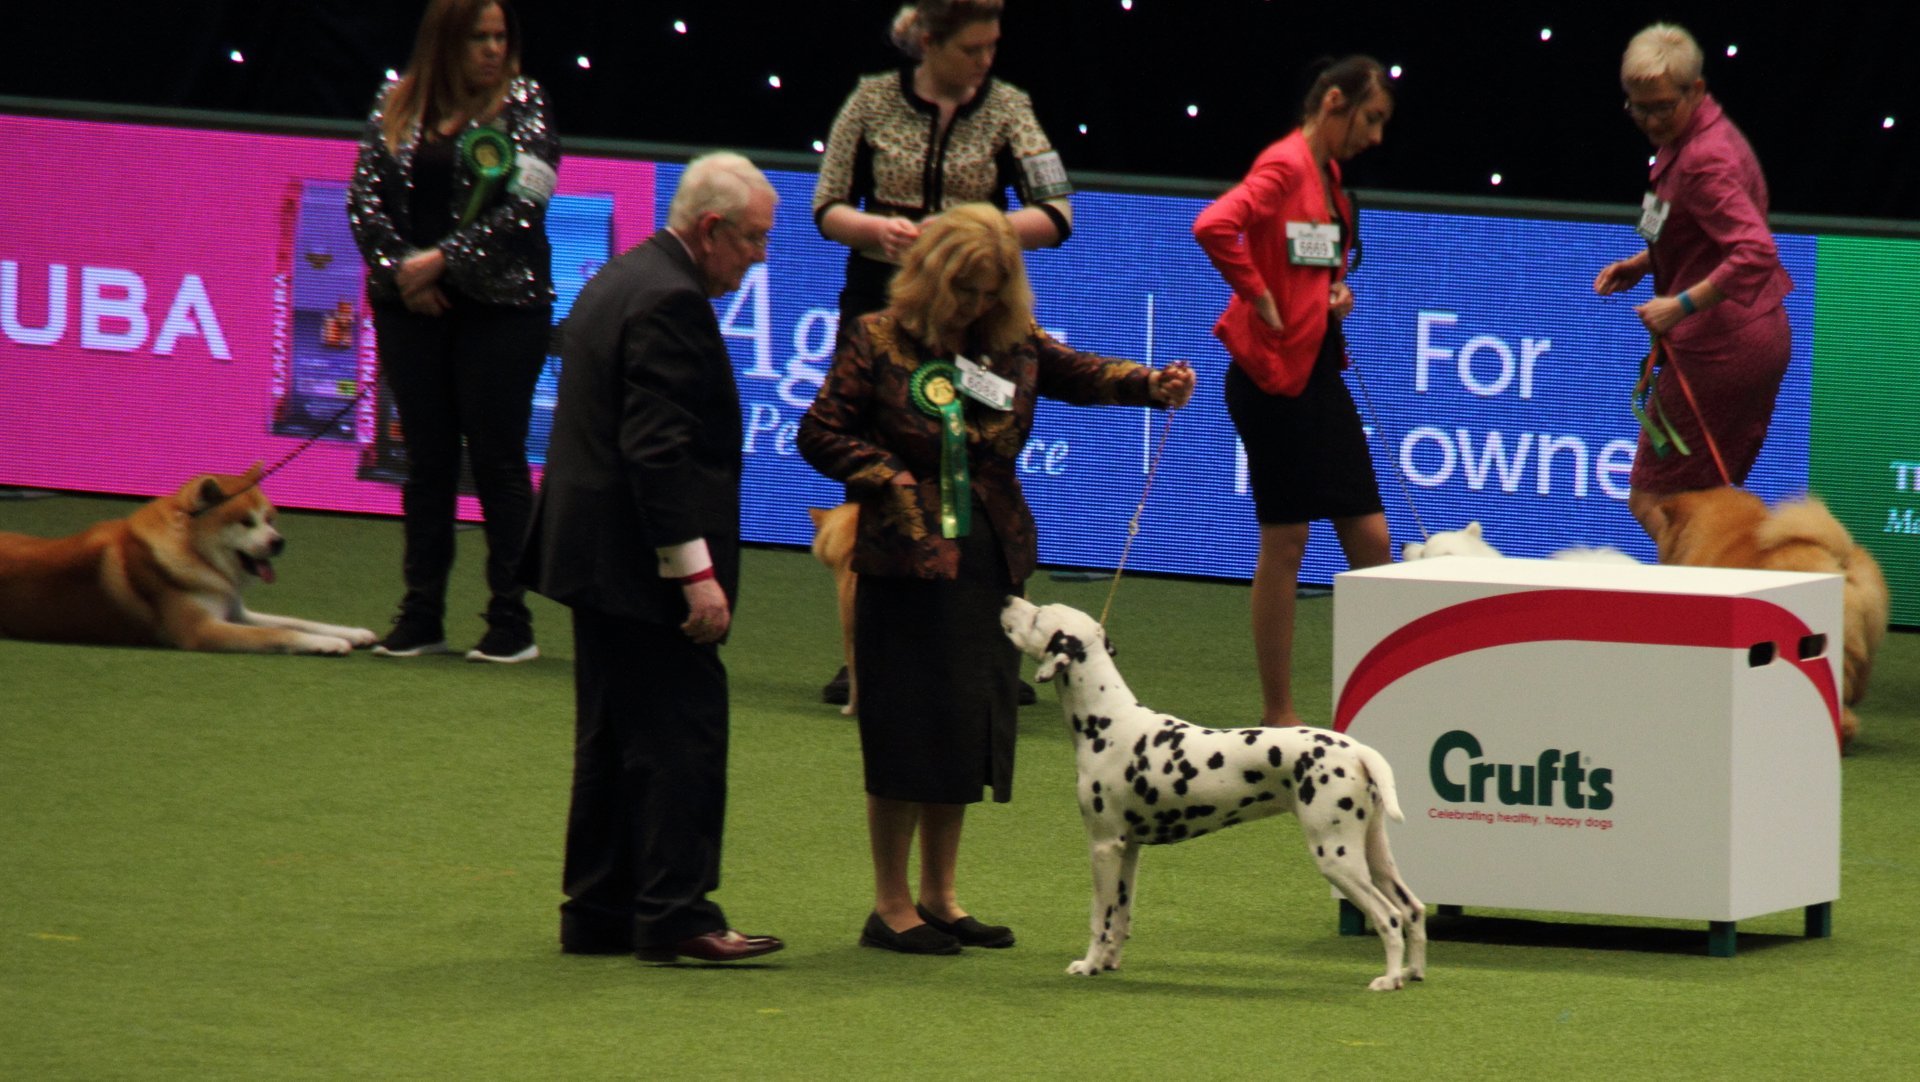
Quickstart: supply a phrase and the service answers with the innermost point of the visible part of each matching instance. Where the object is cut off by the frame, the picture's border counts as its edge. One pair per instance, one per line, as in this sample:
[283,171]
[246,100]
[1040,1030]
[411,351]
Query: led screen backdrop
[158,322]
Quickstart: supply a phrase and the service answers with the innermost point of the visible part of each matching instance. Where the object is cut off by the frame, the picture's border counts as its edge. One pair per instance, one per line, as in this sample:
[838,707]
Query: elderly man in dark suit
[637,529]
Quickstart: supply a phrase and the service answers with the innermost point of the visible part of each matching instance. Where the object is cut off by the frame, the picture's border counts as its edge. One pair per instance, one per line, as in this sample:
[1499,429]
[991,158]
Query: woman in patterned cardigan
[923,416]
[912,142]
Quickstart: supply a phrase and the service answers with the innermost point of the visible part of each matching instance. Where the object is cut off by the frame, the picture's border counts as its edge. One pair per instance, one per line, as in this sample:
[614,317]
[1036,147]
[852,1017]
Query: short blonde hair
[961,241]
[1662,49]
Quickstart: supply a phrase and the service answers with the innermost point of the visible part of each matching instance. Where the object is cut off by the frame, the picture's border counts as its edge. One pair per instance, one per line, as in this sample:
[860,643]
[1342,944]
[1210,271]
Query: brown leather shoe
[723,945]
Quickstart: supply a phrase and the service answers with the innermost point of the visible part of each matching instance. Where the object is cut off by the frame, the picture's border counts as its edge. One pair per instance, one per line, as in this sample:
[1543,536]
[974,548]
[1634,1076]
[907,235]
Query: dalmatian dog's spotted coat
[1149,779]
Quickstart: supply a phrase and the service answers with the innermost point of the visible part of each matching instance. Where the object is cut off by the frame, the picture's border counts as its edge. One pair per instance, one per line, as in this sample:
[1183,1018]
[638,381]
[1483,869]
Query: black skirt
[1307,456]
[939,682]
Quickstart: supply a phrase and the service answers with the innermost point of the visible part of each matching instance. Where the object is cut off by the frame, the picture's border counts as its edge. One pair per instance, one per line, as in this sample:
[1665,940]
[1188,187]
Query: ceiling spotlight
[679,26]
[1193,110]
[1546,33]
[773,81]
[1494,180]
[1887,122]
[1083,127]
[819,147]
[1394,72]
[585,64]
[1733,50]
[236,57]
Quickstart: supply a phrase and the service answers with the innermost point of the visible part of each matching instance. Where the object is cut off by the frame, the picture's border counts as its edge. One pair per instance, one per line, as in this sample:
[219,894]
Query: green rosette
[935,390]
[489,157]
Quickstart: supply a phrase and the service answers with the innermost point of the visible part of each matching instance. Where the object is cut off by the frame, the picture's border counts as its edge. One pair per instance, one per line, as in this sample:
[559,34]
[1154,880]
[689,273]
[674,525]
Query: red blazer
[1244,232]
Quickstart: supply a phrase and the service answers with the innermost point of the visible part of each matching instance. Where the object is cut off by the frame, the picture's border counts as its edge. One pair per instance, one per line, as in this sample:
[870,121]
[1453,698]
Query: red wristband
[701,575]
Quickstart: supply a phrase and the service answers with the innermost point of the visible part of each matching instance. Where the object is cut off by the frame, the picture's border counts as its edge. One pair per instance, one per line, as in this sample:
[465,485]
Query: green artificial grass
[272,867]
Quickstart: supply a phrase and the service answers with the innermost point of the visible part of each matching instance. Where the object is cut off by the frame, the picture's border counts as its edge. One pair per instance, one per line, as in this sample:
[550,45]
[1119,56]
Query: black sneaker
[412,636]
[508,640]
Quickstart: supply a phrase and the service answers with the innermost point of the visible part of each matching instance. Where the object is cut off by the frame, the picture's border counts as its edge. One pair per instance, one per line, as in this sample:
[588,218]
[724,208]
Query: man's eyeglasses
[1652,110]
[756,240]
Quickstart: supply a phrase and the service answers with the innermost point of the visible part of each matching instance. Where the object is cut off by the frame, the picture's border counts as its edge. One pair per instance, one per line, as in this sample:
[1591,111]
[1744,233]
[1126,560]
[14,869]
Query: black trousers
[649,782]
[466,375]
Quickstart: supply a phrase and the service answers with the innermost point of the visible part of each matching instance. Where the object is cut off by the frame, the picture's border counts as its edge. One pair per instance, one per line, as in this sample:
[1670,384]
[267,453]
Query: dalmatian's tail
[1382,776]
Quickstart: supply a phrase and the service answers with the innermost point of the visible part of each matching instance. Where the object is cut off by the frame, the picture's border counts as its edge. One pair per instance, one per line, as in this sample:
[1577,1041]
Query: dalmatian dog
[1149,779]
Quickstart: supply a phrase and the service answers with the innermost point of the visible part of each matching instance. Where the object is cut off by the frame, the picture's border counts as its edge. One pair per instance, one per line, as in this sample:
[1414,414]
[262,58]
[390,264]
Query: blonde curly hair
[963,240]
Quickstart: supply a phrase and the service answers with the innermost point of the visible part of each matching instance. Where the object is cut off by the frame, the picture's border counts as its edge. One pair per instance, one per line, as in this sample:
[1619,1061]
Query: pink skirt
[1735,379]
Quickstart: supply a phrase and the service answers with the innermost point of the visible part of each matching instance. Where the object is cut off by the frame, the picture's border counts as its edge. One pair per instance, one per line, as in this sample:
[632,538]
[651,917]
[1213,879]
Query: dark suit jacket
[646,441]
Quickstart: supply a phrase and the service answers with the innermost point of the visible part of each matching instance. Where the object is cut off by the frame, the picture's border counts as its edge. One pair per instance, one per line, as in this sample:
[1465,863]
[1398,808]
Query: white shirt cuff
[686,558]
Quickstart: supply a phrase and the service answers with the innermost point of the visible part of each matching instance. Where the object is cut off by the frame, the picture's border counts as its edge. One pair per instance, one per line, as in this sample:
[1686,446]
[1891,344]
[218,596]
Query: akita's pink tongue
[265,569]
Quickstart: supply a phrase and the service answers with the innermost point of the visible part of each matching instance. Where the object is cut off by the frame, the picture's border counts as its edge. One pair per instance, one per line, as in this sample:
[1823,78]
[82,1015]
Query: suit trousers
[649,781]
[466,375]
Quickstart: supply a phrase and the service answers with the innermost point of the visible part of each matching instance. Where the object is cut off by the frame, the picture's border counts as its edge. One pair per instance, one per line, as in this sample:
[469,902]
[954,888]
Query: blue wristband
[1686,303]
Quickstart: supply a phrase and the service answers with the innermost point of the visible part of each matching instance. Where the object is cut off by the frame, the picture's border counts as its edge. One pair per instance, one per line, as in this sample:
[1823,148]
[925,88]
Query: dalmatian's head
[1054,635]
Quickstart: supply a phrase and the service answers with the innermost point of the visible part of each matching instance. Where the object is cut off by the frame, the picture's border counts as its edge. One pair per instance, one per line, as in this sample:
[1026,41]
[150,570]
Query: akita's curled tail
[1382,776]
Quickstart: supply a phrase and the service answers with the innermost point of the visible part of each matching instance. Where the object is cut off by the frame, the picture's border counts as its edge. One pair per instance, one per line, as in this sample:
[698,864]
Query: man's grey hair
[1661,49]
[720,183]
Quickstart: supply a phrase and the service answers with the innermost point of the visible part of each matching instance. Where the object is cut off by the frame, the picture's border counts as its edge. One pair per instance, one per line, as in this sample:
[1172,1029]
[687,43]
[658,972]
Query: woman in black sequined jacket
[448,206]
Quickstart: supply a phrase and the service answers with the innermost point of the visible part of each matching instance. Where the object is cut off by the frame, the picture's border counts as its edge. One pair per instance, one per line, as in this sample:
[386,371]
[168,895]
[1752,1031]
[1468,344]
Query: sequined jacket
[863,429]
[502,256]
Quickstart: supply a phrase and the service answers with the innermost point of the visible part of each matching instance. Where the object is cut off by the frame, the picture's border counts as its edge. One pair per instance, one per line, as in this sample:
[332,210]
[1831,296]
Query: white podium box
[1588,738]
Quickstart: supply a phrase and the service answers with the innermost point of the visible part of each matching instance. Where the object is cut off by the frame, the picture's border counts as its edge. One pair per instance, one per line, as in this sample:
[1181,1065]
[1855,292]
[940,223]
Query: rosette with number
[489,157]
[936,393]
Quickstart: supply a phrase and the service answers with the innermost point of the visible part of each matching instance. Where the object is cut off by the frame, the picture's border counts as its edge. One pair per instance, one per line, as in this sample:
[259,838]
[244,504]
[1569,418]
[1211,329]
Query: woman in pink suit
[1718,284]
[1281,238]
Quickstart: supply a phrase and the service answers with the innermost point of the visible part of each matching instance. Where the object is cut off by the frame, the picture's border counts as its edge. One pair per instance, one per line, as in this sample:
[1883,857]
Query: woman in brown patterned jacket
[923,415]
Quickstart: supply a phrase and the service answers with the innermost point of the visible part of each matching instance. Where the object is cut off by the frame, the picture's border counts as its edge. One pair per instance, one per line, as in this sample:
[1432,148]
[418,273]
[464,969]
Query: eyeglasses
[756,240]
[1653,110]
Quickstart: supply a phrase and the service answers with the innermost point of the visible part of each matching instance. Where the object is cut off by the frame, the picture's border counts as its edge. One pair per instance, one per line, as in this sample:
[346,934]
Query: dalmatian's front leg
[1108,920]
[1123,909]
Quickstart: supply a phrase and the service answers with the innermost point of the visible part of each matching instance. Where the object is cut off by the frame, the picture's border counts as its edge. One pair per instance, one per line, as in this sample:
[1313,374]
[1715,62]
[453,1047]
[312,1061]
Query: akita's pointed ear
[206,493]
[252,476]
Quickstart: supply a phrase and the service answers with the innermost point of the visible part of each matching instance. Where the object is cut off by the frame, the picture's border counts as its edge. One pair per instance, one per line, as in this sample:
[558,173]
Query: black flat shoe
[838,690]
[919,939]
[970,932]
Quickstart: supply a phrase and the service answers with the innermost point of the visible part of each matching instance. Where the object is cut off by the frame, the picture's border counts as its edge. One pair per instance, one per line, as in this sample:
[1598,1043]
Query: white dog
[1470,542]
[1149,779]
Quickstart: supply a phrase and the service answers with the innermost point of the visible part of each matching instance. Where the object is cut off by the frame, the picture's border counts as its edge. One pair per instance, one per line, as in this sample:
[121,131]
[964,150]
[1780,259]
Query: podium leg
[1720,938]
[1352,921]
[1820,920]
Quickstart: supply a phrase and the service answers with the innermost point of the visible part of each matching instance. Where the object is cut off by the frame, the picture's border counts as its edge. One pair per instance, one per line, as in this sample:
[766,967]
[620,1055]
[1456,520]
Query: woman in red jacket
[1281,238]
